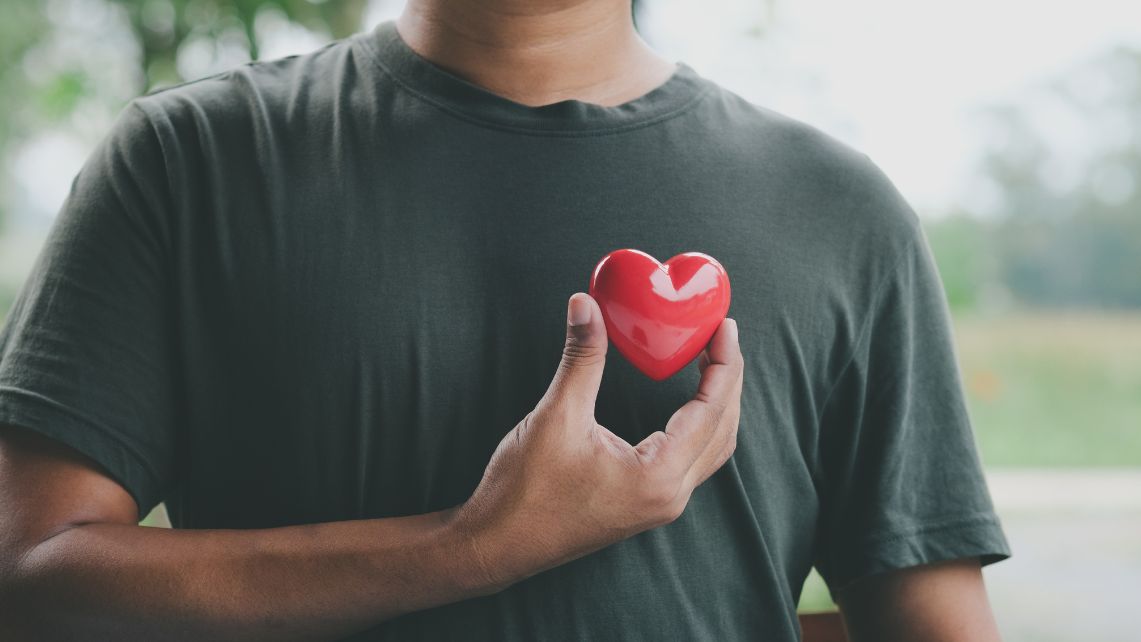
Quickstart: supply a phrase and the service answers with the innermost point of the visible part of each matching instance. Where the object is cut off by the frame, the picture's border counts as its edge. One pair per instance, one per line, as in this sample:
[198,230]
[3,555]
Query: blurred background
[1012,126]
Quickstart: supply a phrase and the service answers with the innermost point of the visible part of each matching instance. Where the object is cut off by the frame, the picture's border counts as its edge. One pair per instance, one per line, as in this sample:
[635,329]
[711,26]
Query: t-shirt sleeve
[902,480]
[87,351]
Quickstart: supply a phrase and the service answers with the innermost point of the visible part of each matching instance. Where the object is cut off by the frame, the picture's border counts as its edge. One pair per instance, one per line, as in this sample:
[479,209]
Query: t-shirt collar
[384,45]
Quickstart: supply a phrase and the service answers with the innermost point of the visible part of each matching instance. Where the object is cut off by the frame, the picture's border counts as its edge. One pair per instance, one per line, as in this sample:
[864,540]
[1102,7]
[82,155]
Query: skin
[75,564]
[940,602]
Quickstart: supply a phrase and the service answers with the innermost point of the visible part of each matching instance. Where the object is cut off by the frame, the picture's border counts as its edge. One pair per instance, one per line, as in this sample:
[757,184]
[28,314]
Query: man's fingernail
[579,312]
[733,329]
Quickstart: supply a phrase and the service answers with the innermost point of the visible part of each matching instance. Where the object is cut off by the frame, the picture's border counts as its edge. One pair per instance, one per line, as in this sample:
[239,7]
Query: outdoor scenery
[1023,158]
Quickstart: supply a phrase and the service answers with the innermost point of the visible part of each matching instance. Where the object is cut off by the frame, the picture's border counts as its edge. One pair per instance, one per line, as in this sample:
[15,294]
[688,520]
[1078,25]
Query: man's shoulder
[794,139]
[287,87]
[834,194]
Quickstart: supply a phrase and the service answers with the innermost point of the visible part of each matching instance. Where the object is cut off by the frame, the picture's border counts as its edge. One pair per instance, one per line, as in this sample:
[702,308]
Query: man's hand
[560,485]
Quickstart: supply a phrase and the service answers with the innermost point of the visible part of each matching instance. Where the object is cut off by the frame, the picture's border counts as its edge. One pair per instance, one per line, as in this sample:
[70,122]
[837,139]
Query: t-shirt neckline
[384,45]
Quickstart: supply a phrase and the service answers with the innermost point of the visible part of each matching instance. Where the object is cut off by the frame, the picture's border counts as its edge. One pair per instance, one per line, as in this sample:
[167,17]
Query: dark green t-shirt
[324,287]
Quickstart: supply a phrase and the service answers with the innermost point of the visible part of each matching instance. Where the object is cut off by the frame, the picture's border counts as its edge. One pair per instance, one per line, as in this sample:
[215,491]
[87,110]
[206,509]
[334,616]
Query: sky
[903,81]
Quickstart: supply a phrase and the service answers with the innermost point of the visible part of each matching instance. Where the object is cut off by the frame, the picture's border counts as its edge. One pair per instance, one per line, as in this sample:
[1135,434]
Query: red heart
[660,316]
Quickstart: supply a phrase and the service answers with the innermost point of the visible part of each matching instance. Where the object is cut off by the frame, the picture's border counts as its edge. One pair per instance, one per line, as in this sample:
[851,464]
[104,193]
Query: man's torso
[371,290]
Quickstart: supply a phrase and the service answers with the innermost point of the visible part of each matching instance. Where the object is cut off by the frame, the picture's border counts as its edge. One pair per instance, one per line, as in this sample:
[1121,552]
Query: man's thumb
[584,354]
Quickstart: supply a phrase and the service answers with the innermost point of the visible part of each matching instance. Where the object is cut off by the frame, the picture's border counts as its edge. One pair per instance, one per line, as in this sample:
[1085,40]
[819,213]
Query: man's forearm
[316,581]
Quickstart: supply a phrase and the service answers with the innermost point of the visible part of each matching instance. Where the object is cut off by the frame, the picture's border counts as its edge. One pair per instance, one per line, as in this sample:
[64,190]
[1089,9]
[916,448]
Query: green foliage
[62,94]
[163,26]
[964,251]
[815,595]
[1068,232]
[33,101]
[21,27]
[1093,260]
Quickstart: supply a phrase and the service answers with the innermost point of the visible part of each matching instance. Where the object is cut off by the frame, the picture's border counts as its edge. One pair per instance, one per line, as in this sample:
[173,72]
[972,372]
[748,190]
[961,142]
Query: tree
[31,103]
[21,28]
[163,26]
[1066,161]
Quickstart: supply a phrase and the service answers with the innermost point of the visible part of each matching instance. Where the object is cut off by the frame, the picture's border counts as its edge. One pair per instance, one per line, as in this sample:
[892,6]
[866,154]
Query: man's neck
[537,52]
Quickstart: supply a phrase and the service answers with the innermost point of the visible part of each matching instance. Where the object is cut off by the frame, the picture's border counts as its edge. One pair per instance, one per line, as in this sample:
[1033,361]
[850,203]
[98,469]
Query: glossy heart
[660,316]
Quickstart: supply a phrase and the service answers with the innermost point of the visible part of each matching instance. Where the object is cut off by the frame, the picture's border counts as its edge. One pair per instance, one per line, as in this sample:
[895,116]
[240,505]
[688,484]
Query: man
[306,302]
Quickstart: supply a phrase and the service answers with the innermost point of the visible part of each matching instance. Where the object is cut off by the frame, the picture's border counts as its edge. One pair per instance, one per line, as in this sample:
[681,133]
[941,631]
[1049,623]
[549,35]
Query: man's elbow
[48,493]
[30,583]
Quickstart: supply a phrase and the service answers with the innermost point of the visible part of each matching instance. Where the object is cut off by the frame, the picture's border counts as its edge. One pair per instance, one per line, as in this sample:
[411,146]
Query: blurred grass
[1054,390]
[815,595]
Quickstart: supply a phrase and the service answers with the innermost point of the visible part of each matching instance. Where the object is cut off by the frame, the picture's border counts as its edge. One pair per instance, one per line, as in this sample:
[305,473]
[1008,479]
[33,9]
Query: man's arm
[940,602]
[73,561]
